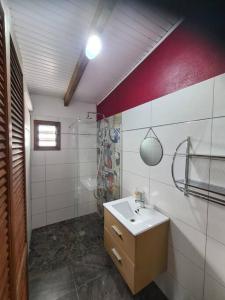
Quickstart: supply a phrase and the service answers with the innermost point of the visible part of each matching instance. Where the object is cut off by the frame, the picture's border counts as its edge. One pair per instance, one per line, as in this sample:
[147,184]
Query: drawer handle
[116,254]
[117,231]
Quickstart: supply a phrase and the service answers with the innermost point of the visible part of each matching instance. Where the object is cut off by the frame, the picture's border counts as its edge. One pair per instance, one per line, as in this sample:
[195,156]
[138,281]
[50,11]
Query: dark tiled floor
[68,261]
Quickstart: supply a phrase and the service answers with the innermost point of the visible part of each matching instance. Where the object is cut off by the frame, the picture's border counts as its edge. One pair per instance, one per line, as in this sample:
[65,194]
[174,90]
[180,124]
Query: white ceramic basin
[134,218]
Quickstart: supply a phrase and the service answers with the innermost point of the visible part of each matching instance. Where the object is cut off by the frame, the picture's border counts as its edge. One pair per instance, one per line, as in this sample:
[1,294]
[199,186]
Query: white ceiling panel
[51,34]
[131,32]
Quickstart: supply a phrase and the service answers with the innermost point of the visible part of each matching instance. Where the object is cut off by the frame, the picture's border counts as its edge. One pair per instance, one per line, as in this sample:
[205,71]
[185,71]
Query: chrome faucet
[141,201]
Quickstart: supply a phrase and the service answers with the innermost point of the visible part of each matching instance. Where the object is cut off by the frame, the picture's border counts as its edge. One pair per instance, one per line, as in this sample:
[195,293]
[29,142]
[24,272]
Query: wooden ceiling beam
[102,14]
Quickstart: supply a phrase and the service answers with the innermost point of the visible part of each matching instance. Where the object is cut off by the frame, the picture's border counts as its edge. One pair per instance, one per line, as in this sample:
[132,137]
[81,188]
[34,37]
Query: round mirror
[151,151]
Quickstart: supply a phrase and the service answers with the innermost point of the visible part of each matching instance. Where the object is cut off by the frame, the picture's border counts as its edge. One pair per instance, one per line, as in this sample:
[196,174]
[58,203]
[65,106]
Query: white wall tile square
[87,141]
[199,132]
[84,128]
[132,139]
[186,273]
[215,260]
[213,290]
[192,103]
[38,189]
[219,96]
[162,171]
[218,136]
[87,169]
[132,162]
[172,288]
[188,241]
[137,117]
[87,155]
[37,157]
[60,186]
[66,124]
[69,141]
[217,172]
[131,181]
[60,171]
[60,201]
[87,208]
[38,220]
[65,156]
[191,210]
[60,215]
[38,205]
[216,222]
[38,173]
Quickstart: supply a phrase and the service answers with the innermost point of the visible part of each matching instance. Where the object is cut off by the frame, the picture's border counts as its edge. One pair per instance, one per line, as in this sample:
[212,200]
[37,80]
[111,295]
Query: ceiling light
[93,47]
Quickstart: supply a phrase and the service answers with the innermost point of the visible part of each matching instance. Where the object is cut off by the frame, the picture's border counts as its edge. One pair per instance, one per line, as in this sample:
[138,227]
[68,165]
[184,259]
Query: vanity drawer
[120,259]
[122,236]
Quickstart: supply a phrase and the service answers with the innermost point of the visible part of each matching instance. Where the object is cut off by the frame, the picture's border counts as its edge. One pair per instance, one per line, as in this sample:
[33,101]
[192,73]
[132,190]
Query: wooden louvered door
[4,174]
[17,182]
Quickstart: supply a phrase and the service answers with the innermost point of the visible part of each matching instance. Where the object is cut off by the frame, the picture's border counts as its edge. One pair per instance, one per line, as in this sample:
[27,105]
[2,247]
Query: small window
[46,135]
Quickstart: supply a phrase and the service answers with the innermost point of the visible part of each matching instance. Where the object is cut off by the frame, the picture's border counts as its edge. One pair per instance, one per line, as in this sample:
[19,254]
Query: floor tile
[68,262]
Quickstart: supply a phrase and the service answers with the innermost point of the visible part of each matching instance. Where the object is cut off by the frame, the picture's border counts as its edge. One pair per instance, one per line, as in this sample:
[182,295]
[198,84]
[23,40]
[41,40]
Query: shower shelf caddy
[212,193]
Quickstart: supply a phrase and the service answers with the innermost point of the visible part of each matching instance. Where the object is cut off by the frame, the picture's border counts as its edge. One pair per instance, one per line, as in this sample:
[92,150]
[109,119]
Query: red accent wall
[183,59]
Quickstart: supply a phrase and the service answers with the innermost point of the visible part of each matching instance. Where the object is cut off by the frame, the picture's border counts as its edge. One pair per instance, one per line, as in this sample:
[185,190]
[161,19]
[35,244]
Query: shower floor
[68,261]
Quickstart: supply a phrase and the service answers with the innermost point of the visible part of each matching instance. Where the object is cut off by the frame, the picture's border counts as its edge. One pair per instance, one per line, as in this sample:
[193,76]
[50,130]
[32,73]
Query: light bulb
[93,47]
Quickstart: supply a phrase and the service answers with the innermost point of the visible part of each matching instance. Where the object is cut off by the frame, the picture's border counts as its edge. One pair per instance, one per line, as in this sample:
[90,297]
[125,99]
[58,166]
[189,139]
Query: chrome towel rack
[210,192]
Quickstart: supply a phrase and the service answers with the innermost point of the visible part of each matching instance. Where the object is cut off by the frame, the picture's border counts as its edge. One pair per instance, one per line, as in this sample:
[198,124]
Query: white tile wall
[213,290]
[216,222]
[172,288]
[188,241]
[196,260]
[87,169]
[191,210]
[131,118]
[131,181]
[137,166]
[218,136]
[60,215]
[37,189]
[219,96]
[38,205]
[184,104]
[60,201]
[132,139]
[39,220]
[186,273]
[56,174]
[60,171]
[215,260]
[38,173]
[199,132]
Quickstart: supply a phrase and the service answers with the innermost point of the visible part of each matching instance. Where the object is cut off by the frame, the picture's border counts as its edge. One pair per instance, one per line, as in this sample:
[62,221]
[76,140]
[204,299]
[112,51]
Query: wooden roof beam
[102,14]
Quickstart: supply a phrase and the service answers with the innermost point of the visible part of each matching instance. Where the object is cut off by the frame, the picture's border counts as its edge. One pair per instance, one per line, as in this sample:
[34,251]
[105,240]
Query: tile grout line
[210,162]
[174,123]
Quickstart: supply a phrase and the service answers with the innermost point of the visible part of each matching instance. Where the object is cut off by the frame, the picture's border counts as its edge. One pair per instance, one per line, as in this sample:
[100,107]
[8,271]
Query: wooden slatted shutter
[17,182]
[4,175]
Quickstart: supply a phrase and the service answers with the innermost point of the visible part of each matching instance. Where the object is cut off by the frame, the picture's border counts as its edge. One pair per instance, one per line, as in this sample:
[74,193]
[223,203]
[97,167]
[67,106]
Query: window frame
[58,136]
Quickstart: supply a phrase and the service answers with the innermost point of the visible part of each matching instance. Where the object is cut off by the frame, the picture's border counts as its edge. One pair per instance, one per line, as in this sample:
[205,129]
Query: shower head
[94,113]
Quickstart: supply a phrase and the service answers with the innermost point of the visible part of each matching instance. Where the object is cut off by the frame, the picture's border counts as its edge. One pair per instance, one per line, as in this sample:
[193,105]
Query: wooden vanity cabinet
[139,259]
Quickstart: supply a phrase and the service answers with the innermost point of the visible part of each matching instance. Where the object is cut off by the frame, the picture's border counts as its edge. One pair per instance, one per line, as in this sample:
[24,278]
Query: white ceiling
[51,34]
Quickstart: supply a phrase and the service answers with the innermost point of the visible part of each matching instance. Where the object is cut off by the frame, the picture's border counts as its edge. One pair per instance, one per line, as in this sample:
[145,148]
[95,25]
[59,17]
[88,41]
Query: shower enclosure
[98,158]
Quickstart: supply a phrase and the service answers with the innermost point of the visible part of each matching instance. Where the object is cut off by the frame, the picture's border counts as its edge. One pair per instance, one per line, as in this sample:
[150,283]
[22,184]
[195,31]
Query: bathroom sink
[135,219]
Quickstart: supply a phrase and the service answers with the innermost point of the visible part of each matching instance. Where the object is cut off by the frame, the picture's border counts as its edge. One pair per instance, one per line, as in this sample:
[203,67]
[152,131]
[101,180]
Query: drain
[132,220]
